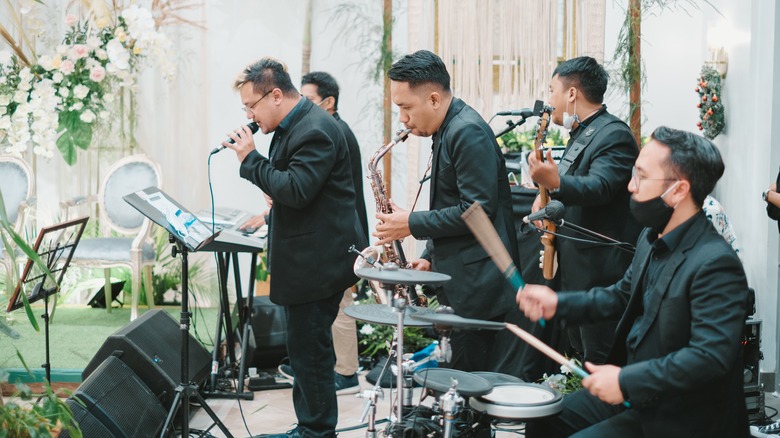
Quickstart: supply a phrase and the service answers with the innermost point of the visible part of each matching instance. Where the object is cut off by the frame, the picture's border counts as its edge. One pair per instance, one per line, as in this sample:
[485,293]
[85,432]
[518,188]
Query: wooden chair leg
[107,290]
[135,275]
[149,287]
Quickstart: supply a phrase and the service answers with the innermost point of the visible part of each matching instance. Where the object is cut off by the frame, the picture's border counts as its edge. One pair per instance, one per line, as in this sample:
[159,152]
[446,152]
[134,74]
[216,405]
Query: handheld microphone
[252,127]
[553,211]
[524,112]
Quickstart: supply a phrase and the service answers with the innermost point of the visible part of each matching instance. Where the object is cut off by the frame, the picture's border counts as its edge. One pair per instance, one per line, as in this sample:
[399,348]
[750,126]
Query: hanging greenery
[712,118]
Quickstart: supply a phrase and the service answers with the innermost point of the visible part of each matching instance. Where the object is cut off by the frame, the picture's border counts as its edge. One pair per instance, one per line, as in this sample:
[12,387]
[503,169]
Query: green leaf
[77,134]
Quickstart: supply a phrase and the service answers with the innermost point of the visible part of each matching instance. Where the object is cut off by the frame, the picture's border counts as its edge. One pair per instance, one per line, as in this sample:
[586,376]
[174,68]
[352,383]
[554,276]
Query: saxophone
[393,252]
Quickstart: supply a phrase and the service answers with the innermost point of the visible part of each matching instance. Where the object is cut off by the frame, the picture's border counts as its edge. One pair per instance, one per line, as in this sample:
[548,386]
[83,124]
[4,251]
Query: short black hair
[586,74]
[693,158]
[265,75]
[421,67]
[326,85]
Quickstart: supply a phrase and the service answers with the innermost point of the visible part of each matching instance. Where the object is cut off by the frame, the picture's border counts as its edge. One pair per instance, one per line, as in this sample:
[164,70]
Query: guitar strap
[574,150]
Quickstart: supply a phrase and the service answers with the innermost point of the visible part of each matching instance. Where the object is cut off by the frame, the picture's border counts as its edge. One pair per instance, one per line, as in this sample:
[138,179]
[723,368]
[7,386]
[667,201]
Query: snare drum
[519,401]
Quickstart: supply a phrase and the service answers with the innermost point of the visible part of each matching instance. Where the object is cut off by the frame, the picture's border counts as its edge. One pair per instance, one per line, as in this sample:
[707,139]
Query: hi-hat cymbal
[450,320]
[386,315]
[402,276]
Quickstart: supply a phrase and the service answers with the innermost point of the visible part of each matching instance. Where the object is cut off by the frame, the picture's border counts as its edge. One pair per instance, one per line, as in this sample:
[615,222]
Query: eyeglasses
[635,179]
[248,109]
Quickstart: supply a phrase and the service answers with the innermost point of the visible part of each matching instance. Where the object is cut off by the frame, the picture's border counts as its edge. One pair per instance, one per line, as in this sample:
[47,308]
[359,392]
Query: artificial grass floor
[76,333]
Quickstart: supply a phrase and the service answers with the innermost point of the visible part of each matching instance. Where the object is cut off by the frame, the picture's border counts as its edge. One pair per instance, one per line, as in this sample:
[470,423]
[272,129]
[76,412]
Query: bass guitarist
[591,182]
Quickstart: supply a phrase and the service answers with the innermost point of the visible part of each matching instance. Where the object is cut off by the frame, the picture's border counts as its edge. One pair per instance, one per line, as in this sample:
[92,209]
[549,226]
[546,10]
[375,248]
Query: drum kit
[466,403]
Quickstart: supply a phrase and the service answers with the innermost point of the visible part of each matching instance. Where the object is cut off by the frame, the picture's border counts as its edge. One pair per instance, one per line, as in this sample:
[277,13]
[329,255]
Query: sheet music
[184,223]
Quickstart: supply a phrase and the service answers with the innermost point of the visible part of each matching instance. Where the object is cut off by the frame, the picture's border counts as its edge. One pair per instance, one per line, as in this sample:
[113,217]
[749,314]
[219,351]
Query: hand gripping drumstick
[479,224]
[549,352]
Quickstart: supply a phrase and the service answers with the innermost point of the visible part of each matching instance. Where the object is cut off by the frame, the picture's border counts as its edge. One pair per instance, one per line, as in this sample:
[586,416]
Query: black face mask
[654,213]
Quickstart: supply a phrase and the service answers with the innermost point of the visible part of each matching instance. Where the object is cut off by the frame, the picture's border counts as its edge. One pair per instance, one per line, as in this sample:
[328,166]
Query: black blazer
[684,377]
[594,191]
[467,166]
[356,165]
[313,220]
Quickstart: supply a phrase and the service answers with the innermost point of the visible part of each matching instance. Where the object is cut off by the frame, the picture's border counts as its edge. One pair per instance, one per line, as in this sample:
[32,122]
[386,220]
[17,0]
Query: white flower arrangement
[55,102]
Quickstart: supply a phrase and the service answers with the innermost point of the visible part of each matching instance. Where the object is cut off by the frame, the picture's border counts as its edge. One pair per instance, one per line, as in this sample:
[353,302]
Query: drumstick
[479,224]
[547,350]
[552,354]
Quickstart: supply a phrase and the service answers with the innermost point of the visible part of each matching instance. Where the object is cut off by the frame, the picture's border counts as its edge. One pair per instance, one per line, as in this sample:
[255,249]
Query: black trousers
[310,348]
[585,416]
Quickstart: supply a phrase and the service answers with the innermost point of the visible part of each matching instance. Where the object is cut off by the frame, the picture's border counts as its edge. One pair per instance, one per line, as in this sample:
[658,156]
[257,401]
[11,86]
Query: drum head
[440,380]
[518,401]
[497,378]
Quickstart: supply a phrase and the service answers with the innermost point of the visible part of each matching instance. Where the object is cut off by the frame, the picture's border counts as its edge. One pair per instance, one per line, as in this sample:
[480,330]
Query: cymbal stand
[372,395]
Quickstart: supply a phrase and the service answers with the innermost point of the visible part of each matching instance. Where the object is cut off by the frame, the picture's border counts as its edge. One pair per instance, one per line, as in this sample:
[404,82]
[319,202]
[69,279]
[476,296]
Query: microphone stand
[510,126]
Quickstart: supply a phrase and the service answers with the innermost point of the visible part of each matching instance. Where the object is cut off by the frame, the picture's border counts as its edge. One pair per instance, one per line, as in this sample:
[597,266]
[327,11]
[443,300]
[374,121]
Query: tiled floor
[272,412]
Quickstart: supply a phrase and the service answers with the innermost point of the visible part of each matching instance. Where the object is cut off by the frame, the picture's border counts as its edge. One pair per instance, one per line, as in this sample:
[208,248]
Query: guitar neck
[543,193]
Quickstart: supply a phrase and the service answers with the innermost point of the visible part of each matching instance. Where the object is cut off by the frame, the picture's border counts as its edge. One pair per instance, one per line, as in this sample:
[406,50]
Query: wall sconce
[719,60]
[719,36]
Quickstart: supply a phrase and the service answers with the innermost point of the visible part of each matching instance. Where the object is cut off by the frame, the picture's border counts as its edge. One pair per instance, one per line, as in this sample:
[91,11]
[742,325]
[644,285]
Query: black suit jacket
[356,165]
[684,375]
[594,191]
[467,166]
[313,220]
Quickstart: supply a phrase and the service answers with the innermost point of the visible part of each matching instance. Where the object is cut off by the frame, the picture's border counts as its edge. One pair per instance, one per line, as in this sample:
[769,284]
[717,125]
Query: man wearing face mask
[677,358]
[591,183]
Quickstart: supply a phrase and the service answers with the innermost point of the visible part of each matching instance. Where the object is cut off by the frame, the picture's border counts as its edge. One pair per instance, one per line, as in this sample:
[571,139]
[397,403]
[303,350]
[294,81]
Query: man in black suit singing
[682,304]
[311,225]
[591,183]
[466,166]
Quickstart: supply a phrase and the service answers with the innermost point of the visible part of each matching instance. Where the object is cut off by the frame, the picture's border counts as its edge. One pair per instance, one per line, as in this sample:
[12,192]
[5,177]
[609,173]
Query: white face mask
[568,120]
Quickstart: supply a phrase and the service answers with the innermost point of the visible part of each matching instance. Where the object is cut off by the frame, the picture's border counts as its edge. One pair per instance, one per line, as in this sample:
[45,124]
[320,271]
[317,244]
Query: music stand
[53,245]
[187,234]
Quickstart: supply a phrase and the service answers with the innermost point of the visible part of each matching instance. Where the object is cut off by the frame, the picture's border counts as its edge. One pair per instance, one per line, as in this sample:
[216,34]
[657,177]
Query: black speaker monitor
[114,402]
[151,347]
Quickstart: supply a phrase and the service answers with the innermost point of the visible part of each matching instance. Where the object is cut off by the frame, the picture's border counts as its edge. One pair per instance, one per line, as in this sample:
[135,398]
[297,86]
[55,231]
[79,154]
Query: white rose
[94,42]
[101,54]
[77,106]
[5,123]
[57,77]
[108,97]
[64,91]
[80,91]
[367,330]
[87,116]
[20,96]
[119,56]
[5,99]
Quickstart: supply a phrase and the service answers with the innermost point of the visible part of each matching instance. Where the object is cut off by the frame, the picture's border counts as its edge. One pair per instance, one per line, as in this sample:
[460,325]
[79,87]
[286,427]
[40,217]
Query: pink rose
[71,20]
[67,67]
[97,73]
[79,51]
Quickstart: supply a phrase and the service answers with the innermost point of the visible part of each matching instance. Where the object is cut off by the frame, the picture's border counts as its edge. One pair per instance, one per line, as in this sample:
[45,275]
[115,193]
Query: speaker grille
[116,403]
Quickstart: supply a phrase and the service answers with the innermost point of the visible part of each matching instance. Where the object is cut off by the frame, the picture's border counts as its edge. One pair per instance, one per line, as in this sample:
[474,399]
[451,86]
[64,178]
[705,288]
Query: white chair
[18,188]
[134,248]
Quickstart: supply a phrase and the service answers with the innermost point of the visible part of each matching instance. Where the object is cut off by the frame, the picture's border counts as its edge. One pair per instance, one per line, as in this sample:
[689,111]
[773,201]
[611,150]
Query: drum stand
[451,404]
[402,398]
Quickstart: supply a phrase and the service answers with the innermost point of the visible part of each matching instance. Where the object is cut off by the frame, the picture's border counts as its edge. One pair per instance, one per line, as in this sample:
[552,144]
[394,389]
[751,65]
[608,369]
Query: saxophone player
[467,166]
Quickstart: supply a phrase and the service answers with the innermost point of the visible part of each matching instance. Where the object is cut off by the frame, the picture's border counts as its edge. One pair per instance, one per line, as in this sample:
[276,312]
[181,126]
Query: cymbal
[450,320]
[402,276]
[386,315]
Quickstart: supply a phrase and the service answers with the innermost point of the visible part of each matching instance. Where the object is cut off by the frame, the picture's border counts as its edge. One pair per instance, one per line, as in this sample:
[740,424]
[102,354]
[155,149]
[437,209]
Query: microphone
[553,211]
[252,127]
[524,112]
